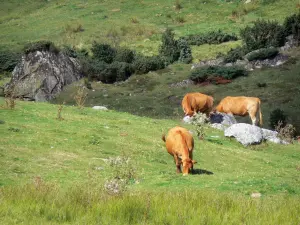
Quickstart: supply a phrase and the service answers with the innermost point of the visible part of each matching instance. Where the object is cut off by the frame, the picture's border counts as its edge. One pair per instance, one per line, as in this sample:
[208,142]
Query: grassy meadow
[56,171]
[53,171]
[135,24]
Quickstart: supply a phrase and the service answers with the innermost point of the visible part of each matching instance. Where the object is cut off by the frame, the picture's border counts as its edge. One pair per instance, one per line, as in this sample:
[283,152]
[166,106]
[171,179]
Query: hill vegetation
[56,170]
[74,165]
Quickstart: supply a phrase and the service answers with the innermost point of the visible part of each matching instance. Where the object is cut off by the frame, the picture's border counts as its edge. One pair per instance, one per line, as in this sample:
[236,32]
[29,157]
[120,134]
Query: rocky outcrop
[248,134]
[42,74]
[244,133]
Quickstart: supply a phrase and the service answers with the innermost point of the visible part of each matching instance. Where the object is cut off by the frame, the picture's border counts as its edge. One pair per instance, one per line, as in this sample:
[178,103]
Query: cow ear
[194,162]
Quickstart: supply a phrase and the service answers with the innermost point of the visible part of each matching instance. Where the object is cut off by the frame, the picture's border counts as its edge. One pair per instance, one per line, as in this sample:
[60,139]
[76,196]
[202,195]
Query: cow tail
[163,137]
[260,115]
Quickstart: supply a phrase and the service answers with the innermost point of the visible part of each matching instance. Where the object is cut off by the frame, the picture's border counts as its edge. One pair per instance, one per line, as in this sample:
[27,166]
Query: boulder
[244,133]
[100,108]
[221,120]
[270,135]
[42,74]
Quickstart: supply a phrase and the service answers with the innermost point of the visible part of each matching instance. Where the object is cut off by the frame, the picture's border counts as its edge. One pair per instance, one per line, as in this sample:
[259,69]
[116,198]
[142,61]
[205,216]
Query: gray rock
[244,133]
[270,135]
[41,75]
[222,118]
[97,107]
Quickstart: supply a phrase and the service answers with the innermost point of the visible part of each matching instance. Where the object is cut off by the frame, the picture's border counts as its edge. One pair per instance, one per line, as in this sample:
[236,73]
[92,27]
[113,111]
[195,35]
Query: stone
[222,118]
[97,107]
[244,133]
[43,74]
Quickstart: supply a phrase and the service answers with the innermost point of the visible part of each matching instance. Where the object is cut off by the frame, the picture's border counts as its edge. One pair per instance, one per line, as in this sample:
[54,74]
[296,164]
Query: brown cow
[197,102]
[180,144]
[241,106]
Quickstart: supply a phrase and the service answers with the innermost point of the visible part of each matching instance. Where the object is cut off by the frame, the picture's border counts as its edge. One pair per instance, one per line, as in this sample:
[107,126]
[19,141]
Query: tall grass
[86,204]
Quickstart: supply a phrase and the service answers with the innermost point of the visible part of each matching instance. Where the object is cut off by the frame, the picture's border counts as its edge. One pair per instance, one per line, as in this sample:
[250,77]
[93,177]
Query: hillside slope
[136,24]
[153,95]
[74,150]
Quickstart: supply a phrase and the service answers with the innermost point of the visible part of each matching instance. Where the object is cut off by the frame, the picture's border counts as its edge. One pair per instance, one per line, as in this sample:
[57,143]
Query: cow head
[187,166]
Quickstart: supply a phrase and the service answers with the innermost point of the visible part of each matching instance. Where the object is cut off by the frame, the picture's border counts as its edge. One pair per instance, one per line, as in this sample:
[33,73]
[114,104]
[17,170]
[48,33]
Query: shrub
[103,52]
[8,60]
[287,132]
[117,71]
[144,64]
[263,34]
[263,53]
[93,68]
[213,37]
[124,55]
[199,120]
[201,74]
[123,173]
[41,46]
[234,54]
[276,116]
[185,51]
[10,98]
[80,97]
[169,47]
[292,26]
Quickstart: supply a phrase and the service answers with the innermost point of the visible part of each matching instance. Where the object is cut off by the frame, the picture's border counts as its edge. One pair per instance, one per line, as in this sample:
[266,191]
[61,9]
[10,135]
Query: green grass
[66,156]
[111,21]
[47,204]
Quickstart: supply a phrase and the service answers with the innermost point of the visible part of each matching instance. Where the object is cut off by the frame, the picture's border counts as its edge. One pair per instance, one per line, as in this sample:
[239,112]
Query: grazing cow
[197,102]
[180,144]
[241,106]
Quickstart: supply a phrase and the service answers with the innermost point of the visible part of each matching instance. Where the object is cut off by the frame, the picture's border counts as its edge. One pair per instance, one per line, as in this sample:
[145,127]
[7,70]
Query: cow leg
[177,163]
[253,118]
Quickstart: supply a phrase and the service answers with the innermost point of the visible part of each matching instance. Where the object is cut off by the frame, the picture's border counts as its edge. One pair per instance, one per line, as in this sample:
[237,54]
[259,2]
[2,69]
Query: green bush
[41,46]
[292,26]
[261,54]
[8,60]
[117,71]
[234,54]
[169,47]
[124,55]
[103,52]
[263,34]
[185,55]
[213,37]
[144,64]
[93,68]
[276,116]
[201,74]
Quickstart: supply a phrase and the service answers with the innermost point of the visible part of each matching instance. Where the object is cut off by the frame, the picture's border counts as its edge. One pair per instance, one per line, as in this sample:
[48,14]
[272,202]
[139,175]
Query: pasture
[55,170]
[62,171]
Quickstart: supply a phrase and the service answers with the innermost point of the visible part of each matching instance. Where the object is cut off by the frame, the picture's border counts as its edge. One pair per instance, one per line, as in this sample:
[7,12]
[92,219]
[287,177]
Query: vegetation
[71,161]
[263,34]
[169,47]
[234,54]
[277,116]
[292,26]
[108,167]
[201,74]
[212,37]
[40,46]
[263,53]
